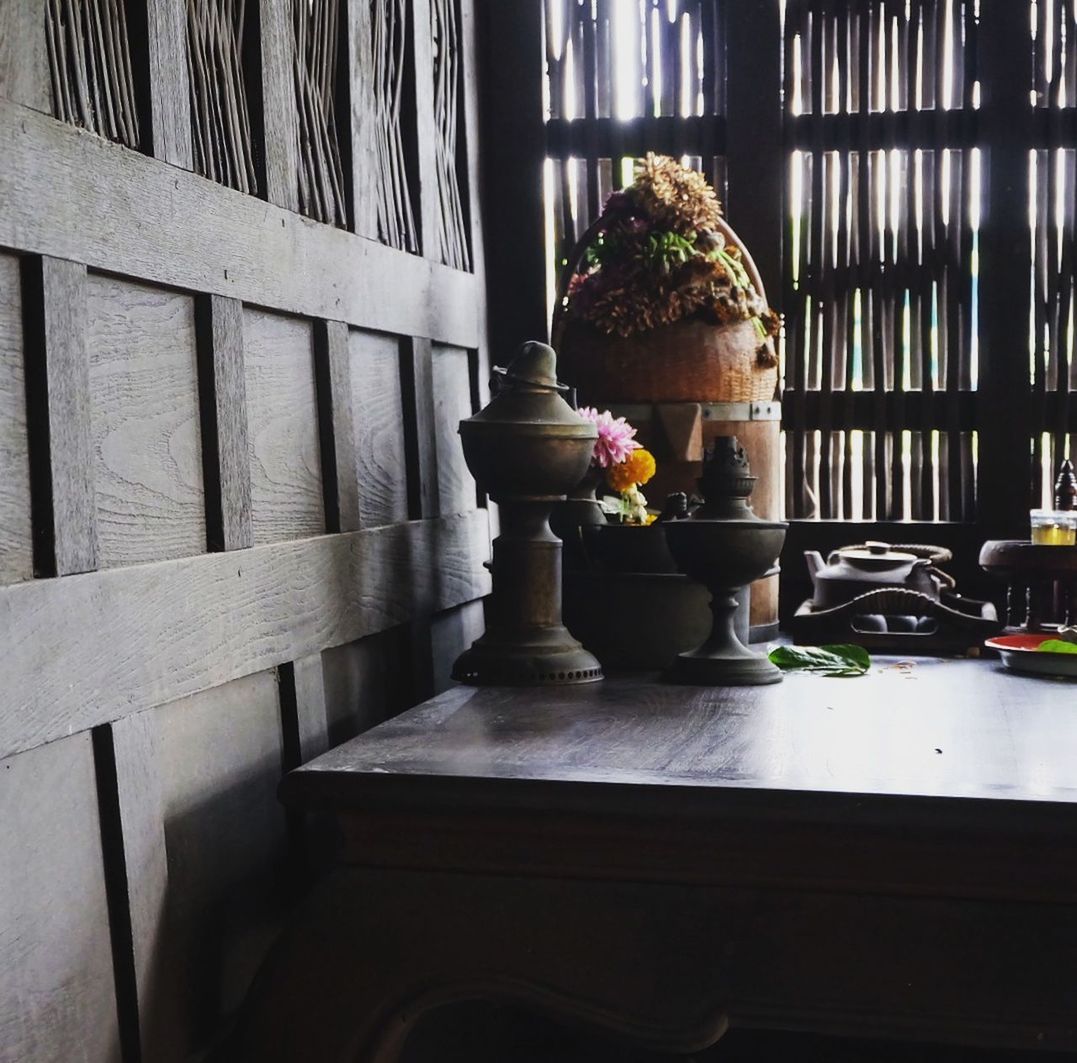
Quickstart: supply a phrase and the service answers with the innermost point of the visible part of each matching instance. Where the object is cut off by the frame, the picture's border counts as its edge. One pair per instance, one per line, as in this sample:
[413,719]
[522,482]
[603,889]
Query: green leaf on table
[1057,646]
[839,660]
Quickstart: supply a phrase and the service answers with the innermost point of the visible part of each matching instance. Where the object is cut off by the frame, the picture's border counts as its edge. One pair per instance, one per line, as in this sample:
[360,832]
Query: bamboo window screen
[624,78]
[881,285]
[93,85]
[1052,178]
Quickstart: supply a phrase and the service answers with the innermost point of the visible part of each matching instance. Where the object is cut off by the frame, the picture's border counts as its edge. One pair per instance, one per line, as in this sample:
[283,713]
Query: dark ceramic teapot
[853,570]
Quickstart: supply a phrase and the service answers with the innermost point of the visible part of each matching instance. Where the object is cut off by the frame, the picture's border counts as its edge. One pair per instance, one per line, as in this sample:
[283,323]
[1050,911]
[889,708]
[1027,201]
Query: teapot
[851,571]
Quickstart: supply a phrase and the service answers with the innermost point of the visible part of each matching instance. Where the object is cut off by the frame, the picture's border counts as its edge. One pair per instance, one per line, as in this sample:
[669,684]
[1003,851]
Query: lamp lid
[530,395]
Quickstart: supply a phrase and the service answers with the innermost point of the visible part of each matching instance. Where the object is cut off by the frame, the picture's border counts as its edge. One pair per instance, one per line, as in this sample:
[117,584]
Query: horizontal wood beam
[89,649]
[81,198]
[901,410]
[610,137]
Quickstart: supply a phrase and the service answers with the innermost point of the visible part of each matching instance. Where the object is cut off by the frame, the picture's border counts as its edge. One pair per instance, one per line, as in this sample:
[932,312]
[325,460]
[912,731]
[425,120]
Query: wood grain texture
[280,144]
[16,547]
[304,722]
[451,372]
[282,419]
[1003,738]
[57,1003]
[59,394]
[379,429]
[78,197]
[169,85]
[143,391]
[87,650]
[127,758]
[332,363]
[364,682]
[225,436]
[219,765]
[24,64]
[420,429]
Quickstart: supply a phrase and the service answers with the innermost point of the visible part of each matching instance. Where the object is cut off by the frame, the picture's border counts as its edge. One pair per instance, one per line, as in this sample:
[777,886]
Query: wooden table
[891,856]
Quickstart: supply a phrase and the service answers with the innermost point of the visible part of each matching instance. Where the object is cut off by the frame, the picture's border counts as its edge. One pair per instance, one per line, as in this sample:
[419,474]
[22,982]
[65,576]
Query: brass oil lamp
[527,449]
[726,547]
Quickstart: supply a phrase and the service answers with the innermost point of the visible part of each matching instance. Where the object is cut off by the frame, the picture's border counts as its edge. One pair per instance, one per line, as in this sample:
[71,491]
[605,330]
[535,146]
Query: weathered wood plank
[379,429]
[57,1003]
[58,396]
[126,755]
[24,63]
[282,417]
[225,440]
[417,385]
[89,649]
[219,765]
[16,545]
[452,403]
[304,722]
[332,365]
[277,113]
[143,392]
[169,86]
[78,197]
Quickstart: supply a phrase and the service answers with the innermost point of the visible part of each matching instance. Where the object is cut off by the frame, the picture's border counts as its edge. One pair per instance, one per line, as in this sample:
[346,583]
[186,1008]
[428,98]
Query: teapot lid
[873,553]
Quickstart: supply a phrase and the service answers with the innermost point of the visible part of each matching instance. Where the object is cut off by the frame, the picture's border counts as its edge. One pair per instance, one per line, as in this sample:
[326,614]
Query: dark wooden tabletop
[949,732]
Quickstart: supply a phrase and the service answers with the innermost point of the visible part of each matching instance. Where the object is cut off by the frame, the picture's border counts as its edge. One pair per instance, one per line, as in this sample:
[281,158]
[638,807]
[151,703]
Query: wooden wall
[235,523]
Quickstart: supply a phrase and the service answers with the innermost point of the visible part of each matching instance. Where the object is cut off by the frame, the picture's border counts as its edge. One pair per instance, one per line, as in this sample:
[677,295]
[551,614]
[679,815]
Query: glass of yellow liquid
[1054,527]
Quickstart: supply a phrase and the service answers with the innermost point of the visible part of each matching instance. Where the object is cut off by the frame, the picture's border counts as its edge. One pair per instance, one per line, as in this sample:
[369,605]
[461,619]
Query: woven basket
[688,361]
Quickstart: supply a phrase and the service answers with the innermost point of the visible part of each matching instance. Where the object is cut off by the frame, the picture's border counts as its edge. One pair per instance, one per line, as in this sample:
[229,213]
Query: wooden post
[223,400]
[24,65]
[420,439]
[132,830]
[340,474]
[272,51]
[168,85]
[58,401]
[514,140]
[1005,250]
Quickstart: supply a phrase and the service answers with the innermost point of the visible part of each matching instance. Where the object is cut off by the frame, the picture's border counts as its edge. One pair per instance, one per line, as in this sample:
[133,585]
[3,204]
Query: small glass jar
[1054,527]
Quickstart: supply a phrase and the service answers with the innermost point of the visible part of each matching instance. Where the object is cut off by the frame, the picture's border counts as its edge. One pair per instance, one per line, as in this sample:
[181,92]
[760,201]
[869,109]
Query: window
[917,232]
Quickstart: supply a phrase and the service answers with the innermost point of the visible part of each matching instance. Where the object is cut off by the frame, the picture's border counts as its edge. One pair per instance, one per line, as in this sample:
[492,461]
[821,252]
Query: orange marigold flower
[637,468]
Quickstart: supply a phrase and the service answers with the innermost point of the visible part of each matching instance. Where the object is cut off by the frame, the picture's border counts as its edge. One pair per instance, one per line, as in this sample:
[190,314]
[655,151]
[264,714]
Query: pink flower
[614,442]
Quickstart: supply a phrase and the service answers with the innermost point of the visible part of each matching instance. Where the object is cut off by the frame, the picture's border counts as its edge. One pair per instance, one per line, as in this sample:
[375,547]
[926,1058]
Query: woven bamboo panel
[90,67]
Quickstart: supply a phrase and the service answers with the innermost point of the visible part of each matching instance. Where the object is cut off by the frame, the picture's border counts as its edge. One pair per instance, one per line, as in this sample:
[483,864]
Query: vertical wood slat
[304,720]
[340,474]
[362,118]
[273,45]
[1006,74]
[420,439]
[425,128]
[58,401]
[513,154]
[223,400]
[24,67]
[168,85]
[132,829]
